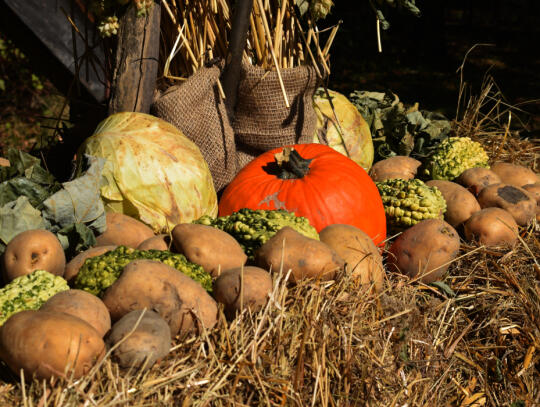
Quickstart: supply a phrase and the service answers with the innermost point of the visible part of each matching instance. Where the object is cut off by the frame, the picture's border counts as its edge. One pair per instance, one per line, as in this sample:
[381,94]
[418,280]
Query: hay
[326,345]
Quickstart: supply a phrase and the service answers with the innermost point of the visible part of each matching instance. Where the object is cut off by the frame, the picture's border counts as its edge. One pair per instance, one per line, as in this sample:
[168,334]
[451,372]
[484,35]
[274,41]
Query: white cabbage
[153,172]
[355,142]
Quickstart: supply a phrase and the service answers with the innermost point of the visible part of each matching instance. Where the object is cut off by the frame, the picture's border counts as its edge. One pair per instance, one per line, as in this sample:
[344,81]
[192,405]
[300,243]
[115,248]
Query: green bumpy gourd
[407,202]
[253,228]
[100,272]
[29,292]
[453,156]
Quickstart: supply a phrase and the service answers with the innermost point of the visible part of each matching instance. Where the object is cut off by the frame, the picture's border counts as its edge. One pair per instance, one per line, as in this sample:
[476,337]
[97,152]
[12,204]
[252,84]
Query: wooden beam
[42,30]
[136,65]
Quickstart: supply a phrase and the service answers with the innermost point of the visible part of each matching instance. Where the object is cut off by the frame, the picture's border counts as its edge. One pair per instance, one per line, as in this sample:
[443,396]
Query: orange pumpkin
[313,181]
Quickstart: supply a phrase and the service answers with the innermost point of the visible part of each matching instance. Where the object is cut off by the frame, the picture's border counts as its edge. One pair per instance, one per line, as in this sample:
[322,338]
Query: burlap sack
[262,120]
[198,110]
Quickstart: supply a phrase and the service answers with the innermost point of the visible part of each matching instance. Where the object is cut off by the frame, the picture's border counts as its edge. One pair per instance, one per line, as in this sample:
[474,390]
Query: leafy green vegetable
[31,198]
[397,129]
[25,177]
[18,216]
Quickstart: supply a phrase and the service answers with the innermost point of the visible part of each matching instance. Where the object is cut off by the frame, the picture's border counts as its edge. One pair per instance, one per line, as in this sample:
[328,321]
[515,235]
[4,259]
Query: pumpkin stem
[291,164]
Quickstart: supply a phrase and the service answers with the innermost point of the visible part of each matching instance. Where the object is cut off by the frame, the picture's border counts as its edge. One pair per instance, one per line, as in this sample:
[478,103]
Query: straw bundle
[282,34]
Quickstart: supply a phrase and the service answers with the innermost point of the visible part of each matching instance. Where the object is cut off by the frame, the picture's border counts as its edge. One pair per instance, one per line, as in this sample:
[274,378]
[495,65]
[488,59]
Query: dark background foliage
[421,55]
[419,61]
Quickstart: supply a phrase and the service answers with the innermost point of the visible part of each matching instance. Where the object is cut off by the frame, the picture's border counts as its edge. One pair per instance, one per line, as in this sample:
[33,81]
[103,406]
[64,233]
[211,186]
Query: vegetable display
[153,172]
[29,292]
[100,272]
[453,156]
[253,228]
[33,250]
[407,202]
[313,181]
[50,344]
[342,127]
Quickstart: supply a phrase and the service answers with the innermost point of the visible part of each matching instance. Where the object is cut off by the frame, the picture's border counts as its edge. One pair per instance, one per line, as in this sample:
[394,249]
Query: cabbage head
[153,172]
[354,139]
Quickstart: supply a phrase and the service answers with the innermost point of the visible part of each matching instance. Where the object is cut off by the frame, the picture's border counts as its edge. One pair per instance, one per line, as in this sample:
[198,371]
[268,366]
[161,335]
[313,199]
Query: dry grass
[474,341]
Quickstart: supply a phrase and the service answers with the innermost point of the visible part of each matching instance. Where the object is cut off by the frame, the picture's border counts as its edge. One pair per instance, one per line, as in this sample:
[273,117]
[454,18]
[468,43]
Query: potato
[513,174]
[534,190]
[213,249]
[425,250]
[308,258]
[123,230]
[161,288]
[82,305]
[32,250]
[460,203]
[516,200]
[4,162]
[476,179]
[49,344]
[75,264]
[159,242]
[140,345]
[362,258]
[399,166]
[242,287]
[491,227]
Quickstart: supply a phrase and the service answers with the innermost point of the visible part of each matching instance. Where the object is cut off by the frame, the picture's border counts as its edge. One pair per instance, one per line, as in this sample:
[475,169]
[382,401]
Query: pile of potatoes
[486,206]
[151,303]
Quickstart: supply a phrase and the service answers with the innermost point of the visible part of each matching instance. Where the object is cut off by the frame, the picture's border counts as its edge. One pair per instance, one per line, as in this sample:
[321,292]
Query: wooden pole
[136,65]
[237,43]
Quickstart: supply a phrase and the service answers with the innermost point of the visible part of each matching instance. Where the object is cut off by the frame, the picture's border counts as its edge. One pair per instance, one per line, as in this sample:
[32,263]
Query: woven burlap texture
[262,121]
[197,109]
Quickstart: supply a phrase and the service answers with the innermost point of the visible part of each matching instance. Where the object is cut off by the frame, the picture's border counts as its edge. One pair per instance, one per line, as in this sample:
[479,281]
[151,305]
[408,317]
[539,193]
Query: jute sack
[262,121]
[198,110]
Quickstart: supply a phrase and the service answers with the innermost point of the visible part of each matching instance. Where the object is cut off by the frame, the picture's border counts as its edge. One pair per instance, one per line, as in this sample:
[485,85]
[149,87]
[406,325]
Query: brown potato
[213,249]
[399,166]
[32,250]
[241,288]
[159,287]
[476,179]
[460,203]
[159,242]
[4,162]
[47,344]
[534,190]
[362,258]
[140,345]
[492,227]
[123,230]
[308,258]
[425,249]
[75,264]
[517,201]
[83,305]
[513,174]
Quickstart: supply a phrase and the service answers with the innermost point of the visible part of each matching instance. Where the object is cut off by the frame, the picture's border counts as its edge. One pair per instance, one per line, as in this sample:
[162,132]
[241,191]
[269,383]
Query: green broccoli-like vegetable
[453,156]
[100,272]
[253,228]
[407,202]
[29,292]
